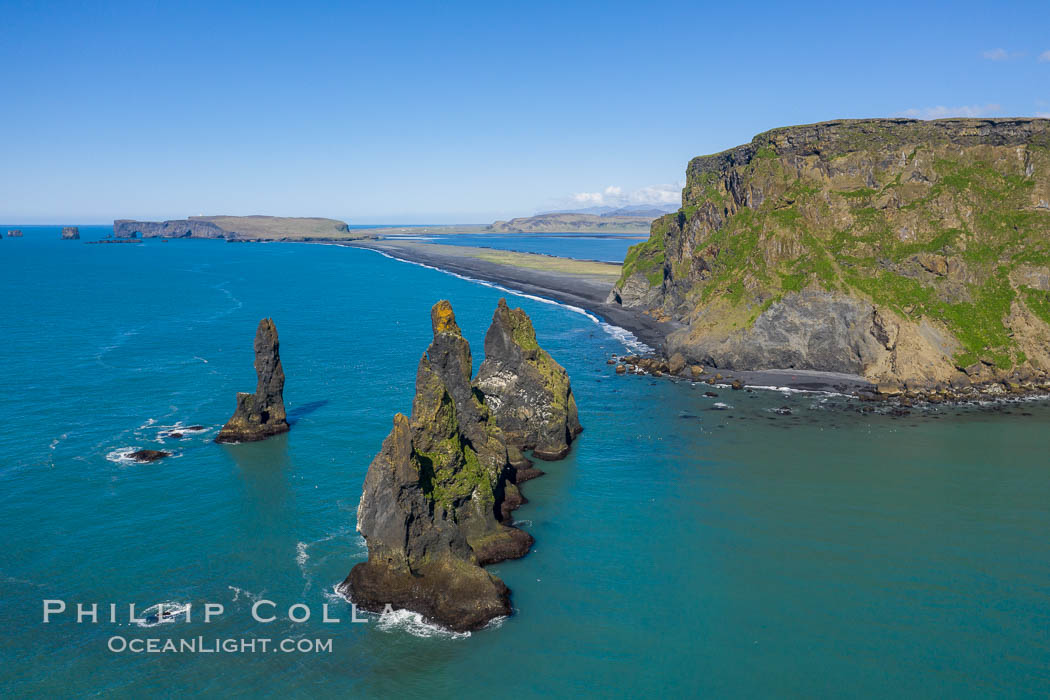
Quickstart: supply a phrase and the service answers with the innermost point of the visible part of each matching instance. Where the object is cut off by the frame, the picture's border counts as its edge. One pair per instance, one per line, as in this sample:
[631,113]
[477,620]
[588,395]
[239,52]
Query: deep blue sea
[680,550]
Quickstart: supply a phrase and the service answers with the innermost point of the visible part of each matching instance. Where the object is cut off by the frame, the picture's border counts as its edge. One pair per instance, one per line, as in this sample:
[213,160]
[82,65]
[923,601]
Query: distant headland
[239,228]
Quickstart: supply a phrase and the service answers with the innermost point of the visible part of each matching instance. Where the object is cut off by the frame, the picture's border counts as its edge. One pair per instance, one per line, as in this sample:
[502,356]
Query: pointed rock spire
[261,414]
[527,392]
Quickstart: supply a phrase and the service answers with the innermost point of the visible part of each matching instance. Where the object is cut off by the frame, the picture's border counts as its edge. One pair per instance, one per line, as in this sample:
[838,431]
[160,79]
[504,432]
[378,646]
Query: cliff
[909,252]
[437,498]
[241,228]
[262,414]
[70,233]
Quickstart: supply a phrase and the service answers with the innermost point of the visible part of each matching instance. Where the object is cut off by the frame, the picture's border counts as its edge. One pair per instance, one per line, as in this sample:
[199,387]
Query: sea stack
[527,392]
[261,414]
[70,233]
[435,498]
[14,233]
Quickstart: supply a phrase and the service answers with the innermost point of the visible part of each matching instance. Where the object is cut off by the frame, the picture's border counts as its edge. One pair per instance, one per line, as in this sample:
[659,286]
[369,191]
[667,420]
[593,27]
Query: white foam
[120,455]
[624,336]
[238,592]
[301,556]
[161,614]
[719,406]
[414,624]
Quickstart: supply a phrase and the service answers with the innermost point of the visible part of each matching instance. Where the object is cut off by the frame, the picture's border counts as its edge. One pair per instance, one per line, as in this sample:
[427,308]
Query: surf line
[618,333]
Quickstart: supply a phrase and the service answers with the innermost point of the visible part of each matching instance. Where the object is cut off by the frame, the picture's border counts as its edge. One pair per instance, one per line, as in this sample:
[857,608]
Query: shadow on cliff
[306,409]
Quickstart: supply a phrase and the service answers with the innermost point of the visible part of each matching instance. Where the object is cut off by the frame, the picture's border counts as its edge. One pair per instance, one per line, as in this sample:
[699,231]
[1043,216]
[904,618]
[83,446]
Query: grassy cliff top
[274,227]
[944,221]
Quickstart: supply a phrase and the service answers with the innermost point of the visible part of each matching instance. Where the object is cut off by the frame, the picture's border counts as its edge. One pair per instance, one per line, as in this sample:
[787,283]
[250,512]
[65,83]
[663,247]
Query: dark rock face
[526,390]
[144,456]
[177,228]
[14,233]
[261,414]
[434,498]
[70,233]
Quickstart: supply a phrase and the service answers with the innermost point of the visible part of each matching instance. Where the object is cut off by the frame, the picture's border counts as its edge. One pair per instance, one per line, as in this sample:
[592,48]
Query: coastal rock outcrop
[236,228]
[261,414]
[14,233]
[913,253]
[70,233]
[526,390]
[435,496]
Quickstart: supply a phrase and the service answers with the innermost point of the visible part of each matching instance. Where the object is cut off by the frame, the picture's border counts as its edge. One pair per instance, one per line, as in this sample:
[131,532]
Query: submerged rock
[261,414]
[145,456]
[528,392]
[434,498]
[70,233]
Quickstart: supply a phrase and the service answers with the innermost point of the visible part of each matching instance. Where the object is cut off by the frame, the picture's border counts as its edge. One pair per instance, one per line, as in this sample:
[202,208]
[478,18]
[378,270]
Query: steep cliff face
[261,414]
[237,228]
[905,251]
[527,391]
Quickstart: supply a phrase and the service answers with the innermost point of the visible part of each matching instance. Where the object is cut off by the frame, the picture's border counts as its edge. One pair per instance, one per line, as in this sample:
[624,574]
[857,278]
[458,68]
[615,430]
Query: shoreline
[580,289]
[588,292]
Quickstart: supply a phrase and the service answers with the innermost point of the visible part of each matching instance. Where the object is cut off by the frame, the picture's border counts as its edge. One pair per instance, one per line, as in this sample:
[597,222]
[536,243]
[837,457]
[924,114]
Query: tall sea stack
[435,496]
[70,233]
[527,392]
[261,414]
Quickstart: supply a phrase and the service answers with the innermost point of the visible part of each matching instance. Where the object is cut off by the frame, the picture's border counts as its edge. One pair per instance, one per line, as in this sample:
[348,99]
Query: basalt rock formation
[70,233]
[914,253]
[261,414]
[236,228]
[527,392]
[435,497]
[146,456]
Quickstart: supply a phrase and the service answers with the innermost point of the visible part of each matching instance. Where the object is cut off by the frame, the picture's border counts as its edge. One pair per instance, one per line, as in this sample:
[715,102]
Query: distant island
[285,228]
[239,228]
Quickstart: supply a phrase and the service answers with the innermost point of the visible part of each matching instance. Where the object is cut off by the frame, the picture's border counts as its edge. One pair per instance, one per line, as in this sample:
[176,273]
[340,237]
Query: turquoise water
[679,549]
[603,247]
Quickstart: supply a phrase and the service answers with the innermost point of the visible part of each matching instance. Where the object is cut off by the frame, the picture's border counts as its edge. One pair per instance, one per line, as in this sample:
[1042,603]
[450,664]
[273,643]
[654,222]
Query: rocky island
[70,233]
[260,415]
[238,228]
[913,253]
[14,233]
[436,500]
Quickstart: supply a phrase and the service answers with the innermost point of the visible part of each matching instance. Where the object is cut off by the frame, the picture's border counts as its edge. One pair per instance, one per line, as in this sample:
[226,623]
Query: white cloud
[614,196]
[941,112]
[1043,115]
[995,55]
[1044,57]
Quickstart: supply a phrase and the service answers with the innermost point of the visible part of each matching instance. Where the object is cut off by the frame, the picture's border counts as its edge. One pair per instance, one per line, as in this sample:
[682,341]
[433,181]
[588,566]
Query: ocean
[690,545]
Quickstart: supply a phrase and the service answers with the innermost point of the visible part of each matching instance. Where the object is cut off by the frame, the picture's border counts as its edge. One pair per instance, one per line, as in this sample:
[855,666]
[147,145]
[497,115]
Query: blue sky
[459,112]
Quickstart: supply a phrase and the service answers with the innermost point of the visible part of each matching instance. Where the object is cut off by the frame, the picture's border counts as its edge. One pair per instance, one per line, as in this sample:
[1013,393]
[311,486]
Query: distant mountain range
[647,210]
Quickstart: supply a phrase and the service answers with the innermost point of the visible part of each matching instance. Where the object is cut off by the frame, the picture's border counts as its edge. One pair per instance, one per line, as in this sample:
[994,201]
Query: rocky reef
[527,392]
[147,456]
[913,253]
[261,414]
[70,233]
[437,498]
